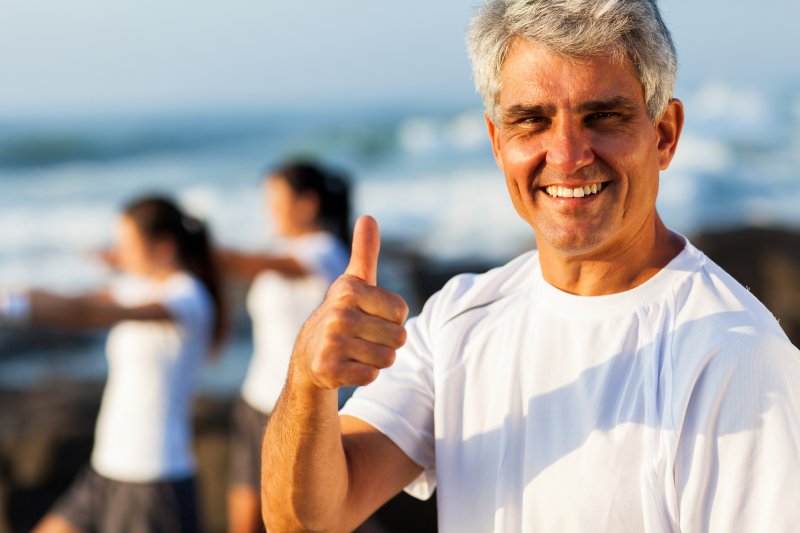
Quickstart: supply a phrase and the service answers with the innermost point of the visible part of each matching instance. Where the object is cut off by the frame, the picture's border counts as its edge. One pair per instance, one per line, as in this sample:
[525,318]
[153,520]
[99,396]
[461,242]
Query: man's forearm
[304,467]
[309,482]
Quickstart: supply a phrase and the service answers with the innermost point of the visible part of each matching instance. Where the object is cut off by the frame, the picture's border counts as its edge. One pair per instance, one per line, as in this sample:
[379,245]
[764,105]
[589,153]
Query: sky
[95,56]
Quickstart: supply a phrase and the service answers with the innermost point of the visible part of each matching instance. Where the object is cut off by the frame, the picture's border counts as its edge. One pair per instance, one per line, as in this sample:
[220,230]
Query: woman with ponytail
[310,209]
[165,316]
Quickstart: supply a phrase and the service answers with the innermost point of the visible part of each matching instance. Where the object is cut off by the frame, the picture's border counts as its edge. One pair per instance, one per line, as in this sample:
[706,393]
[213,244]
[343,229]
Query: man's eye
[533,121]
[603,115]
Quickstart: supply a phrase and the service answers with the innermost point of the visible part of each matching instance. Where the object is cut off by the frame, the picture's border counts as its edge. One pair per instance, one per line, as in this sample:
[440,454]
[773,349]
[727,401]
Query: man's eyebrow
[618,103]
[532,110]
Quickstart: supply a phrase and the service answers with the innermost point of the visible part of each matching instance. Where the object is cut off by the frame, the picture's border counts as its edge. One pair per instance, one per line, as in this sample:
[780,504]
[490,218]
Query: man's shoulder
[712,296]
[468,291]
[720,324]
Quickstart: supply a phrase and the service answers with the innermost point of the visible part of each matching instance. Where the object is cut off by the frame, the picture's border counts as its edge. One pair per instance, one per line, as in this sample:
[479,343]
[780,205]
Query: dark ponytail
[158,217]
[332,189]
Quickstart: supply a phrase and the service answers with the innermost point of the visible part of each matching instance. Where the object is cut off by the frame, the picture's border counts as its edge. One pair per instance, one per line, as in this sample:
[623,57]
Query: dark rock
[46,437]
[766,261]
[21,341]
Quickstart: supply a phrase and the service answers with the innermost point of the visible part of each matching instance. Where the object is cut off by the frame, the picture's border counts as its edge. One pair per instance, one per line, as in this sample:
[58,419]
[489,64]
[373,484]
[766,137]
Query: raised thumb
[364,255]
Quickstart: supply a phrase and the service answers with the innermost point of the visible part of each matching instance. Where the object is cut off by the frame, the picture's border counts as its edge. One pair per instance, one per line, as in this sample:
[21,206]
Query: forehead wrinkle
[588,87]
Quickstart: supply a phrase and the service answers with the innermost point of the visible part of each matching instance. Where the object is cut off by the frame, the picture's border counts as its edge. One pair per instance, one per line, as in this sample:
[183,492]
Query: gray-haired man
[614,380]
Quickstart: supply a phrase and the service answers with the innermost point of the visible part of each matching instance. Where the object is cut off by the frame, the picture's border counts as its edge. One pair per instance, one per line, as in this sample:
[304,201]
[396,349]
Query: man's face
[569,127]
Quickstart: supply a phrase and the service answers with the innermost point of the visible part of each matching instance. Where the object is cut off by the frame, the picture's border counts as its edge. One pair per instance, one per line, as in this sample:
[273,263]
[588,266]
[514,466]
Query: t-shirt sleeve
[325,257]
[130,291]
[186,300]
[738,459]
[400,404]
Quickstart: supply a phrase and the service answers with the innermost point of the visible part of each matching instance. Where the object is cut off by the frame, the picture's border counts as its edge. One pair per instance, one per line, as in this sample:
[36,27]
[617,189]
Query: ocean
[427,175]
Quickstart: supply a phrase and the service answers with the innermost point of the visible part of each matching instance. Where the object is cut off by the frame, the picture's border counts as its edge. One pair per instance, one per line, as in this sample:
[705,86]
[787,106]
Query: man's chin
[571,243]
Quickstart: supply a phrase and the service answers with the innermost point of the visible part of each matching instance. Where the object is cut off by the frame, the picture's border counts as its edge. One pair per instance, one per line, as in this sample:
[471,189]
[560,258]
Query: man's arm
[322,472]
[737,465]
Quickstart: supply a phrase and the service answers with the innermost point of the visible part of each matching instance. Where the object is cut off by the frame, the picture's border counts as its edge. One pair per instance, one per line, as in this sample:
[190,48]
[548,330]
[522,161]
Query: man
[615,380]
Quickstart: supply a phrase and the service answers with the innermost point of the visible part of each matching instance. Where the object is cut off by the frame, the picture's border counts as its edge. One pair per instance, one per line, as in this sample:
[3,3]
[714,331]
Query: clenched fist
[356,330]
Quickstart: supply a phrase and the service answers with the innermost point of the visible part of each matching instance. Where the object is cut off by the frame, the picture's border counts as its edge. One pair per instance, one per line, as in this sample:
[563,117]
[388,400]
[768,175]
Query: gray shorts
[246,434]
[94,503]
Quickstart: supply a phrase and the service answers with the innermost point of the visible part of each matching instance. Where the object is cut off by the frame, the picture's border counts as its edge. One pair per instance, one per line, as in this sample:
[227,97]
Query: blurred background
[102,101]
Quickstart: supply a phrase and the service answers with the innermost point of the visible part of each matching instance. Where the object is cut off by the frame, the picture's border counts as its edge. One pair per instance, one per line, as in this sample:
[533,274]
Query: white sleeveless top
[143,430]
[279,305]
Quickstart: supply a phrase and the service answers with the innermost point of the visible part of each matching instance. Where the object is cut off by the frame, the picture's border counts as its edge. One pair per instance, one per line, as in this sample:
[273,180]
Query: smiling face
[579,151]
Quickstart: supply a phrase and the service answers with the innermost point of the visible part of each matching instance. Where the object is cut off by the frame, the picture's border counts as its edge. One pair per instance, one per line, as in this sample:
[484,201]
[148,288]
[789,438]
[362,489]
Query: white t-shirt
[143,430]
[279,305]
[672,406]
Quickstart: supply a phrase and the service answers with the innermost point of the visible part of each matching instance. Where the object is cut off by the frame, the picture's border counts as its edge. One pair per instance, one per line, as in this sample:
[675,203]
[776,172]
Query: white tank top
[143,430]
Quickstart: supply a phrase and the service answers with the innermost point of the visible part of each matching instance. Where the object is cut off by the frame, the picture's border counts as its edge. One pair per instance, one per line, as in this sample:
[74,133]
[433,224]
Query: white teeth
[557,191]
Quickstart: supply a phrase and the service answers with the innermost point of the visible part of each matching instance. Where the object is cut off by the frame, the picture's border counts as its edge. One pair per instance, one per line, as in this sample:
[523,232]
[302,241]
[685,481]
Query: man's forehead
[533,75]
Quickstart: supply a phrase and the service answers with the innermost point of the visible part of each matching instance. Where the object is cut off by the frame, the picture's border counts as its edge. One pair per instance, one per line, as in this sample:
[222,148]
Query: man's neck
[619,268]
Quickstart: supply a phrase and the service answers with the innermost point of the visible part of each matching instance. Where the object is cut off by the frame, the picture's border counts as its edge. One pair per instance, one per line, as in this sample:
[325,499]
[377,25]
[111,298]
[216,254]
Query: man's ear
[494,138]
[669,127]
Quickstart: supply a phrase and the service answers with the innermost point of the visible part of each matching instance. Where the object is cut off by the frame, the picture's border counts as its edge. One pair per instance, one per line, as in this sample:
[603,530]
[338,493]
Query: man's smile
[578,191]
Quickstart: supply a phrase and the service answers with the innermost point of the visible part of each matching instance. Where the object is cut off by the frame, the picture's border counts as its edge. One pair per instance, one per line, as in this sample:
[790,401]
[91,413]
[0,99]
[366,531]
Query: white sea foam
[720,102]
[704,154]
[430,181]
[418,135]
[448,216]
[464,132]
[436,187]
[467,131]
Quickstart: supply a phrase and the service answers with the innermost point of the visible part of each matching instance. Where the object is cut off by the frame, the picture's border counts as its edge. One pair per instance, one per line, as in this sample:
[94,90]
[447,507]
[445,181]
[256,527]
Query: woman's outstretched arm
[92,311]
[247,266]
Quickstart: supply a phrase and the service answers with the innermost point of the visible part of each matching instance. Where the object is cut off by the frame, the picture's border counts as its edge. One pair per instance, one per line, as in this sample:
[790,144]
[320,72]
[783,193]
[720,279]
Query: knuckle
[395,336]
[402,336]
[367,375]
[387,357]
[347,291]
[399,309]
[339,320]
[325,364]
[337,346]
[328,363]
[318,366]
[403,310]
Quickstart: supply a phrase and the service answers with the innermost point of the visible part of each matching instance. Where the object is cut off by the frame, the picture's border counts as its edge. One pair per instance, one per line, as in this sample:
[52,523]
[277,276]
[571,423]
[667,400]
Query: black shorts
[246,434]
[94,503]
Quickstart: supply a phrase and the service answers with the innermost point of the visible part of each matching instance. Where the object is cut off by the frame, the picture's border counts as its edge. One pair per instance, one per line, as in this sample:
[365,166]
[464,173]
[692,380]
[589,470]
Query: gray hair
[622,29]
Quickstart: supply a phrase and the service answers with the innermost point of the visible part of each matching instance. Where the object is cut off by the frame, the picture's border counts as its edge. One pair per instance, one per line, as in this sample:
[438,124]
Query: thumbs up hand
[356,330]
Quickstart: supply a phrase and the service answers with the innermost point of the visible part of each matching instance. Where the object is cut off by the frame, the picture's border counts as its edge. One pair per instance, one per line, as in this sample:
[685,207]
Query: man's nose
[569,148]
